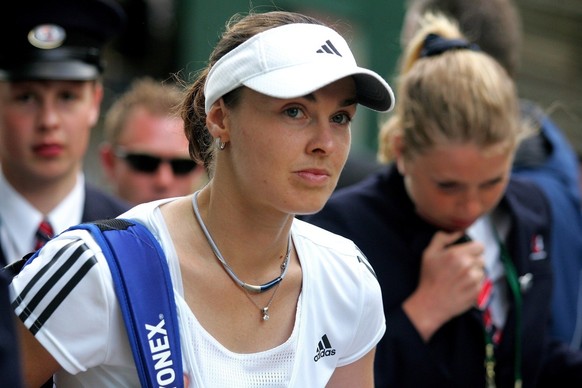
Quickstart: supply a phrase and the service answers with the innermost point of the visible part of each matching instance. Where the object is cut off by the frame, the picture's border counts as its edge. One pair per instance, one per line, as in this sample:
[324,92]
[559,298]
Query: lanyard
[513,282]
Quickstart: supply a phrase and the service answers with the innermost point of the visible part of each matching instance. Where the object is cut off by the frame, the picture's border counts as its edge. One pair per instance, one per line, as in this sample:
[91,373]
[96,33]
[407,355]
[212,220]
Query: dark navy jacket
[10,373]
[379,216]
[556,173]
[98,205]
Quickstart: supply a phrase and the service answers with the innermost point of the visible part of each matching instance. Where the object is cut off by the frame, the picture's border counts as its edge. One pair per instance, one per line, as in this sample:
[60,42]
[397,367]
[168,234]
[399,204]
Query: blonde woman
[460,248]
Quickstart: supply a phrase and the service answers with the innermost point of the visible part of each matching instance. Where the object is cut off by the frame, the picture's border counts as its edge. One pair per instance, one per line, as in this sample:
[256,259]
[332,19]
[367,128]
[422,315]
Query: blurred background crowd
[167,37]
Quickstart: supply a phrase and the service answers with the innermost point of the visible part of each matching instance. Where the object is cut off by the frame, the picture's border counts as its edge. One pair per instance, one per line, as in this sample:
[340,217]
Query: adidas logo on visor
[324,349]
[328,48]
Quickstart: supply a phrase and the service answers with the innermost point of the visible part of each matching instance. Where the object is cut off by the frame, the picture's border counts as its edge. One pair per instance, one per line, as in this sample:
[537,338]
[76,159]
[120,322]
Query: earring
[220,144]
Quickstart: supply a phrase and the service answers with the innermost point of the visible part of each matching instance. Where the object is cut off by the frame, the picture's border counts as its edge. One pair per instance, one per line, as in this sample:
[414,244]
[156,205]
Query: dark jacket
[100,205]
[10,373]
[549,161]
[379,216]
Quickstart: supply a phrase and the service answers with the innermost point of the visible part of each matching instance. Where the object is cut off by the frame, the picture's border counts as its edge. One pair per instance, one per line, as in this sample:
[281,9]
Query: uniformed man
[51,66]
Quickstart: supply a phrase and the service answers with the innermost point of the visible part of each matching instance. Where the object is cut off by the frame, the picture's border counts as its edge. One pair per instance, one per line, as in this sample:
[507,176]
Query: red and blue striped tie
[43,234]
[483,303]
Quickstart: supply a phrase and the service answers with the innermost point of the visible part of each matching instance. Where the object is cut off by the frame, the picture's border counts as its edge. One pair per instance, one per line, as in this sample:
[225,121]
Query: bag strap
[144,289]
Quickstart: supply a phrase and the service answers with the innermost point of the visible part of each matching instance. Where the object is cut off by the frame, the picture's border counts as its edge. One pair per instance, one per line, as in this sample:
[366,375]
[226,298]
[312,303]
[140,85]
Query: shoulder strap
[144,290]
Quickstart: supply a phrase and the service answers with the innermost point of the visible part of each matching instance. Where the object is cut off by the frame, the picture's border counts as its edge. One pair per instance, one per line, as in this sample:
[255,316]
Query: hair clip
[435,44]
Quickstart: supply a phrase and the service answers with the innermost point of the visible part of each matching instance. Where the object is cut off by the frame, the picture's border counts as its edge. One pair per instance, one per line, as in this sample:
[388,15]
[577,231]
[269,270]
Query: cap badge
[47,36]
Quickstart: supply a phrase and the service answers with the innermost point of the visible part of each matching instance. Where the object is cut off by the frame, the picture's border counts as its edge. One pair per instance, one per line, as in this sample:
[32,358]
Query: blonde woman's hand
[450,280]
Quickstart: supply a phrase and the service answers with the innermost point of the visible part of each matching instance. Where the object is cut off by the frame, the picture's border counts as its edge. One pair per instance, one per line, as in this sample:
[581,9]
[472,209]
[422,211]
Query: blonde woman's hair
[458,96]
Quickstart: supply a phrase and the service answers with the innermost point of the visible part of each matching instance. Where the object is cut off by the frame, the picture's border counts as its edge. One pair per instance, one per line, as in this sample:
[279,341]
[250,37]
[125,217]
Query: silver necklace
[264,310]
[246,286]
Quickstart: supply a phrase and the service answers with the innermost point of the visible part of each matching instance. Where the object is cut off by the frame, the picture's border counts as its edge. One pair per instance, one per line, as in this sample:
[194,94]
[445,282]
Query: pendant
[265,313]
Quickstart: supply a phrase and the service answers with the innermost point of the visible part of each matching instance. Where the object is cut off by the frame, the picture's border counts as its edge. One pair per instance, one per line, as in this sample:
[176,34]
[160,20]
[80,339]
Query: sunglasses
[150,163]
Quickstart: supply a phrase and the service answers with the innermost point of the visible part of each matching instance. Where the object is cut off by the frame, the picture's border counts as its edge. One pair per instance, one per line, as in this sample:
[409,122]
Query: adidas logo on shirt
[328,48]
[324,349]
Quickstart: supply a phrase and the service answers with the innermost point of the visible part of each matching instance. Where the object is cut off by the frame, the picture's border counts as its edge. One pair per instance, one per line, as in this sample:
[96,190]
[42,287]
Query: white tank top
[211,361]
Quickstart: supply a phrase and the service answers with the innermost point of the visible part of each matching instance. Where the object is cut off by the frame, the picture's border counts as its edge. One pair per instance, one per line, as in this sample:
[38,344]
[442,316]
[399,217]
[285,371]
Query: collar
[19,219]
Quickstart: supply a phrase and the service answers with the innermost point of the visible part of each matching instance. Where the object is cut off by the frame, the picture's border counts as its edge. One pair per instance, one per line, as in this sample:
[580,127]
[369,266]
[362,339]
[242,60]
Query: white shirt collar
[484,230]
[19,219]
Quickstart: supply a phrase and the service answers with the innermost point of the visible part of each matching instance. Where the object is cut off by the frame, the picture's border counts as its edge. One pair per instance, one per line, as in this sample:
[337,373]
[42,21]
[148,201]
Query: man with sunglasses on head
[145,153]
[51,90]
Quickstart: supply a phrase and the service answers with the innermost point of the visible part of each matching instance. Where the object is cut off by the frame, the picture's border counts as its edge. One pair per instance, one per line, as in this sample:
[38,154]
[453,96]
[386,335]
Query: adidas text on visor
[292,61]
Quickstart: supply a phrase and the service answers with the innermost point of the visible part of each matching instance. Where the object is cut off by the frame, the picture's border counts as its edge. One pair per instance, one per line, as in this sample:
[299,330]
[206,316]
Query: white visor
[292,61]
